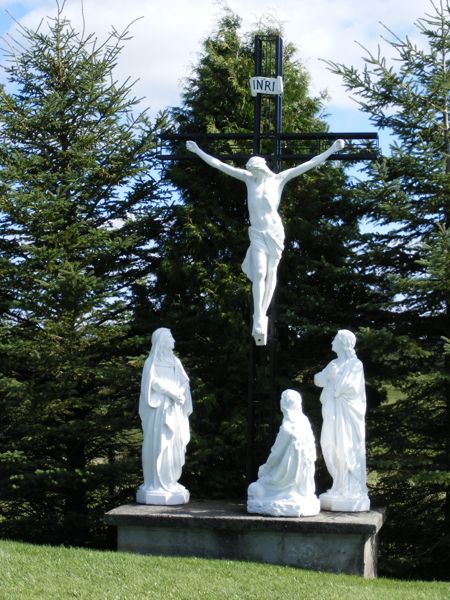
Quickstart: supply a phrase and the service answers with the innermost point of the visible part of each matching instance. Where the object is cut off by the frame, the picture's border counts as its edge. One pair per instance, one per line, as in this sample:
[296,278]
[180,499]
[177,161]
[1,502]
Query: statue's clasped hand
[180,397]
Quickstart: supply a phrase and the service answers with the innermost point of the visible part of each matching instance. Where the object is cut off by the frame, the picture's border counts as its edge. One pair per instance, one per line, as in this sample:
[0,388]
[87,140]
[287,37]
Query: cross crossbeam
[294,147]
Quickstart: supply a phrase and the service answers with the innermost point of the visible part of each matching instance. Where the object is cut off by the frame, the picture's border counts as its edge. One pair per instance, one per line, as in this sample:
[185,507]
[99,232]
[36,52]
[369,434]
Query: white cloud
[168,38]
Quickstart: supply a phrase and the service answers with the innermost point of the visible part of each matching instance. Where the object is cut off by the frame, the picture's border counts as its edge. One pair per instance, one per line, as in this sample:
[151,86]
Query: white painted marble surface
[342,438]
[266,231]
[285,485]
[164,407]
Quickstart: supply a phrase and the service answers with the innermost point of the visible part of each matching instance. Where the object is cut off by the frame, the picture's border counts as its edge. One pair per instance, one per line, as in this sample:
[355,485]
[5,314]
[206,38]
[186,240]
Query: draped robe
[165,422]
[342,438]
[290,466]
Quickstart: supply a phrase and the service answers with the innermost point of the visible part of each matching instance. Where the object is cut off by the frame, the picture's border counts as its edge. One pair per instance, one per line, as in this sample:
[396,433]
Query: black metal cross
[267,140]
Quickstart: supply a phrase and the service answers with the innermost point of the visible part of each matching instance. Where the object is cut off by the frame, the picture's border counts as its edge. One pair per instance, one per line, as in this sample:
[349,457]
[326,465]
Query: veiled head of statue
[160,335]
[290,400]
[162,343]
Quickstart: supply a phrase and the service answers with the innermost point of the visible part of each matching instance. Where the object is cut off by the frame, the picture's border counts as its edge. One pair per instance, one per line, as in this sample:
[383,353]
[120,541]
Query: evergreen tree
[205,296]
[408,192]
[78,213]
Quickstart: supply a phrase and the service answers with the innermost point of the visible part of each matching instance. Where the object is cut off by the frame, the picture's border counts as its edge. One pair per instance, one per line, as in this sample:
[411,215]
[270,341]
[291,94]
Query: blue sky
[171,33]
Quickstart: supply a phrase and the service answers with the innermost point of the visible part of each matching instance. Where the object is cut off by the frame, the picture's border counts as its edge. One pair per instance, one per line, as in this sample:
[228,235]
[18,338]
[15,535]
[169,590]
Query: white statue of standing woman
[285,485]
[342,438]
[164,407]
[266,232]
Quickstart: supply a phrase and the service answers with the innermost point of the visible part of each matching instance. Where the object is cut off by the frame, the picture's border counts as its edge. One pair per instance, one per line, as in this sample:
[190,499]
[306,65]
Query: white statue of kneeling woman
[342,438]
[164,407]
[285,485]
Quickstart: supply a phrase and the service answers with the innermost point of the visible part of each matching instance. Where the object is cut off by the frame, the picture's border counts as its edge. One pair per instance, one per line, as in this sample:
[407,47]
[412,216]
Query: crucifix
[264,189]
[266,233]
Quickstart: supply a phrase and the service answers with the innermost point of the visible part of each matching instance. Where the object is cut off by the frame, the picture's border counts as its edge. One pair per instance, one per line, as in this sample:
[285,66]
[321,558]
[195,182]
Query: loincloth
[263,241]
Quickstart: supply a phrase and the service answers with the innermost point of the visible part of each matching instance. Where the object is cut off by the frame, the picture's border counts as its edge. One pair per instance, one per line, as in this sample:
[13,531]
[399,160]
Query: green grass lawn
[28,571]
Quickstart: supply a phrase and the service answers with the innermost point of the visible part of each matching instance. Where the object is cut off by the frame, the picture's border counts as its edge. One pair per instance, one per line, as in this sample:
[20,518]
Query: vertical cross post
[262,388]
[267,119]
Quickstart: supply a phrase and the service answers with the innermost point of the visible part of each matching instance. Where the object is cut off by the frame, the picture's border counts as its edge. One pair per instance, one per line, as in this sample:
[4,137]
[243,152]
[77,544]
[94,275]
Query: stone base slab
[331,541]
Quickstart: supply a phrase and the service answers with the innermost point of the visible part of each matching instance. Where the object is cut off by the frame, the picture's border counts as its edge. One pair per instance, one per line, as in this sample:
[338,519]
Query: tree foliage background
[408,193]
[78,215]
[95,253]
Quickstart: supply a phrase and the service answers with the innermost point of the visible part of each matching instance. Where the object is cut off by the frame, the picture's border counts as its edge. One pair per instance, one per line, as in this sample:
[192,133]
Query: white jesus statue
[343,436]
[266,232]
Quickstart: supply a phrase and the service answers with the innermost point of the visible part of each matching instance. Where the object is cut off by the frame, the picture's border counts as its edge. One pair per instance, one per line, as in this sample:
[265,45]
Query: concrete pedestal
[331,541]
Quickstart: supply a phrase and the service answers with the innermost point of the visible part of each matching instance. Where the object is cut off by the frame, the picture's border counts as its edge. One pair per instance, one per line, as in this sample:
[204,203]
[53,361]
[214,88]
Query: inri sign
[266,85]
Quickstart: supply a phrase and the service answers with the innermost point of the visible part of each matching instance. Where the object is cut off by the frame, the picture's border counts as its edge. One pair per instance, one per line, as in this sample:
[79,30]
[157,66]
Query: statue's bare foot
[259,332]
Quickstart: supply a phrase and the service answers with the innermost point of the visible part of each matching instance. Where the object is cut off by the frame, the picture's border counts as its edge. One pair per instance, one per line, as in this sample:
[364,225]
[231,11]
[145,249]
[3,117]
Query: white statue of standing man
[164,407]
[266,232]
[343,437]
